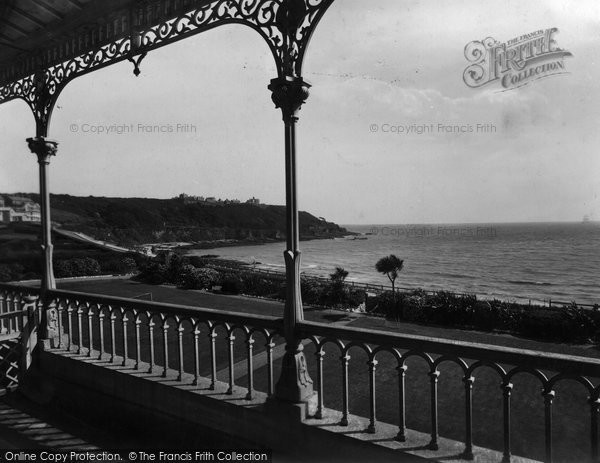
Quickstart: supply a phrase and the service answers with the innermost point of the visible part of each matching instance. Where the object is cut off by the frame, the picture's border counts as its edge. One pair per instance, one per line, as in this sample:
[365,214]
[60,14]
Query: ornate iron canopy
[74,37]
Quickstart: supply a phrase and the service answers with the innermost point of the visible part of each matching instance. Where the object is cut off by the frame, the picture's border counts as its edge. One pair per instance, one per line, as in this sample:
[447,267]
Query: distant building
[187,199]
[19,201]
[6,214]
[208,201]
[21,209]
[253,201]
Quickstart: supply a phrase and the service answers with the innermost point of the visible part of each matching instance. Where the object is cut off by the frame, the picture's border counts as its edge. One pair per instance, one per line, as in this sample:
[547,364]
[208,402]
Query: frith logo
[516,62]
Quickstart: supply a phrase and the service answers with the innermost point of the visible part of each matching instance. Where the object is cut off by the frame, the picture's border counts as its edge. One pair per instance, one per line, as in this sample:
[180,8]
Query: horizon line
[510,222]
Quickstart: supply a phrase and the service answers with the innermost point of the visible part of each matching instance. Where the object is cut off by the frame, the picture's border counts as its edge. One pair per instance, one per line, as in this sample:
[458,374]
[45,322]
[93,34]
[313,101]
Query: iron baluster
[213,358]
[401,436]
[196,334]
[138,353]
[269,346]
[124,321]
[90,315]
[70,323]
[594,412]
[180,330]
[372,363]
[165,328]
[433,379]
[101,328]
[59,310]
[80,329]
[250,349]
[548,399]
[151,342]
[113,338]
[320,404]
[231,339]
[345,358]
[506,393]
[468,452]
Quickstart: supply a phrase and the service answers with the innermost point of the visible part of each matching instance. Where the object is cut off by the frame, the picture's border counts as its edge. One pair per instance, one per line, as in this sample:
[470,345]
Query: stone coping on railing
[563,363]
[265,321]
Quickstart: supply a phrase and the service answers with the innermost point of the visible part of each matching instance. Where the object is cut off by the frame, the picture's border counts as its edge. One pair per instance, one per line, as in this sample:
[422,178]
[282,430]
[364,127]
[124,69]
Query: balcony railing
[212,344]
[17,321]
[12,300]
[155,334]
[548,368]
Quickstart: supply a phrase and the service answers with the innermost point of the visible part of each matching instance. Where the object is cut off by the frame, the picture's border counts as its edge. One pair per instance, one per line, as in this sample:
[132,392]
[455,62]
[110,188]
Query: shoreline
[254,242]
[239,265]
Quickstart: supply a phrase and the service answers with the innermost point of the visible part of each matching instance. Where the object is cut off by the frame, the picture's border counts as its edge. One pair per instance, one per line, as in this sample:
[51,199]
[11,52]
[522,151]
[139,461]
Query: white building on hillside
[21,210]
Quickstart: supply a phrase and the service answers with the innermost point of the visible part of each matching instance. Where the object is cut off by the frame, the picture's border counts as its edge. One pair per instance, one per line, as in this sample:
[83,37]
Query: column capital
[43,148]
[288,94]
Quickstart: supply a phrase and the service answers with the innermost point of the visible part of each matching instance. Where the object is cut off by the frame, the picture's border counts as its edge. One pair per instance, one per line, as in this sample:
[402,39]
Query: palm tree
[339,275]
[390,266]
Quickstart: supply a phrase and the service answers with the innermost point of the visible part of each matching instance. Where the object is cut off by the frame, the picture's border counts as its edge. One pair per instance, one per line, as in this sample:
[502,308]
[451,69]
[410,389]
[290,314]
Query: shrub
[5,273]
[259,285]
[569,324]
[388,305]
[232,285]
[17,271]
[153,273]
[85,266]
[355,297]
[174,264]
[413,308]
[449,309]
[584,324]
[311,291]
[77,267]
[198,278]
[484,316]
[62,268]
[127,265]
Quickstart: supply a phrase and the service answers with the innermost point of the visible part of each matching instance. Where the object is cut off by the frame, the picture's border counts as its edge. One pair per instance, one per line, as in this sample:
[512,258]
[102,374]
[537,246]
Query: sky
[372,65]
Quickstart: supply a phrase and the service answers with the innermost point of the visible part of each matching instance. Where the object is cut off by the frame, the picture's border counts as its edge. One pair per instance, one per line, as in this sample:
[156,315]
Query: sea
[537,262]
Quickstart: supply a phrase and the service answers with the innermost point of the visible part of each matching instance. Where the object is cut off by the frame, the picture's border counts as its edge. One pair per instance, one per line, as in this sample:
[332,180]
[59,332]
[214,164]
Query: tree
[390,266]
[127,265]
[337,289]
[340,275]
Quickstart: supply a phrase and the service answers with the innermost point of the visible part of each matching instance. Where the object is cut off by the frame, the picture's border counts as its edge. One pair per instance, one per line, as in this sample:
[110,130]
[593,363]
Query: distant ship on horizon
[586,219]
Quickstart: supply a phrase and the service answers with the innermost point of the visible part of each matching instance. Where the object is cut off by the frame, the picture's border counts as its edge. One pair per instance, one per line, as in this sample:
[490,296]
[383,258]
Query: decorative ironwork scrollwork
[286,26]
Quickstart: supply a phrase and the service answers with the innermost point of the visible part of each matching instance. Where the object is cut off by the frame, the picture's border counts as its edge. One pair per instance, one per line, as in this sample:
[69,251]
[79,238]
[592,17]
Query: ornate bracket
[43,148]
[289,94]
[136,63]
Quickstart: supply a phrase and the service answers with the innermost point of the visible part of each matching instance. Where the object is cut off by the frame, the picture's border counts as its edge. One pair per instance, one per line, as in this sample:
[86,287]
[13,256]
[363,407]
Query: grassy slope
[147,219]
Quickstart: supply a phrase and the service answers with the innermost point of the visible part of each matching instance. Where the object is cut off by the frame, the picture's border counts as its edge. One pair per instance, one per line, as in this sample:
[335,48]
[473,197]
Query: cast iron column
[44,149]
[295,384]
